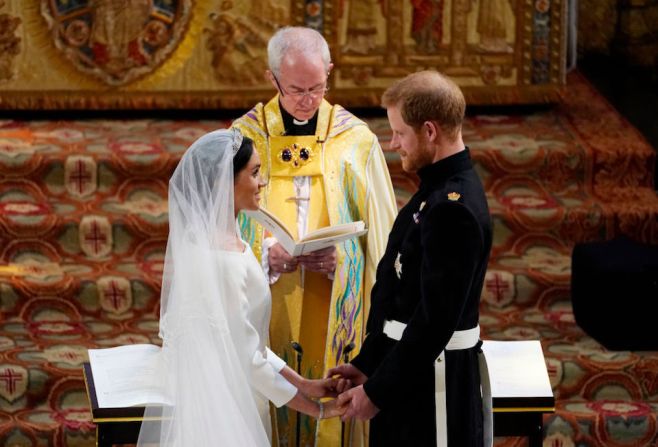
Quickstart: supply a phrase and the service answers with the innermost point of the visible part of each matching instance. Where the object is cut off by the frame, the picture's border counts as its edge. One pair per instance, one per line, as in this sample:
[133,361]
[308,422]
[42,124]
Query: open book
[314,240]
[127,376]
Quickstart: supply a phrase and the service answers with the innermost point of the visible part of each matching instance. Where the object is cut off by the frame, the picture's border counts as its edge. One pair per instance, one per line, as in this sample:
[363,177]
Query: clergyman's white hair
[305,41]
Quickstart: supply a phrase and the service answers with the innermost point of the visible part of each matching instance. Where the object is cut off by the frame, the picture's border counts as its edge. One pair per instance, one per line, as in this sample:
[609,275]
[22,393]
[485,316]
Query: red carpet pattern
[83,226]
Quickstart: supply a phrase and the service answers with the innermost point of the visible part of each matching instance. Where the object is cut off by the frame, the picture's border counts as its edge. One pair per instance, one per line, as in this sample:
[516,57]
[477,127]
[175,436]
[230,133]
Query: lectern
[520,388]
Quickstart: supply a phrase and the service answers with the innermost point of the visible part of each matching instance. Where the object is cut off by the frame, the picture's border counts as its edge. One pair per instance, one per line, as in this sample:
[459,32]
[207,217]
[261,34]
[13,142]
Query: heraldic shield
[117,41]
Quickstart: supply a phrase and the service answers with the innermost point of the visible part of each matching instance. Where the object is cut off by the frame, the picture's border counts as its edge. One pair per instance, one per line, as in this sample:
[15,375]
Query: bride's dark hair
[242,156]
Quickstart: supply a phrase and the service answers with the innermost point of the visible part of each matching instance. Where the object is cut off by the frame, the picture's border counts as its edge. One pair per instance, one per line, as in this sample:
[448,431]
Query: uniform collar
[441,170]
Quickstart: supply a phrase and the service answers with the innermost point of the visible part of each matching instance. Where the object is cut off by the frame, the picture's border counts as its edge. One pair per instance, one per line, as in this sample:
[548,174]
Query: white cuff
[265,260]
[284,390]
[277,362]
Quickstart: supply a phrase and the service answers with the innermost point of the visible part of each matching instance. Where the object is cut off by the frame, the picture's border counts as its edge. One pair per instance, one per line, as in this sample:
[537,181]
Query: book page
[517,368]
[274,226]
[127,376]
[303,248]
[336,230]
[314,240]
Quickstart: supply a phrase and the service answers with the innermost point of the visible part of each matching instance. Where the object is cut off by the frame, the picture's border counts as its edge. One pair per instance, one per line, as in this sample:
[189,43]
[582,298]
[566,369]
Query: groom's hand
[280,261]
[332,409]
[348,376]
[359,405]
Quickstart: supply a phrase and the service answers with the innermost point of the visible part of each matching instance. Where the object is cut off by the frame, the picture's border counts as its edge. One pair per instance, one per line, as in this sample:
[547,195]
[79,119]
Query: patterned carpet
[83,226]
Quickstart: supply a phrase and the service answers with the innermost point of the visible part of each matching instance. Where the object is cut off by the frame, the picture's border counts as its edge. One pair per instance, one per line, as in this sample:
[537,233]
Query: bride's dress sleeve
[265,368]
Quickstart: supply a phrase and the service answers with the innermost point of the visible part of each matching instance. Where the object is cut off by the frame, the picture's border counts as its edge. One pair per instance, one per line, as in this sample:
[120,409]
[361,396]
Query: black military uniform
[430,278]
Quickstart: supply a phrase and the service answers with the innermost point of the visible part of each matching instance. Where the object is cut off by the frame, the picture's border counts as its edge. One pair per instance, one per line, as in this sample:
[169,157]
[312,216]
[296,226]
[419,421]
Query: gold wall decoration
[158,54]
[499,51]
[238,42]
[116,41]
[9,44]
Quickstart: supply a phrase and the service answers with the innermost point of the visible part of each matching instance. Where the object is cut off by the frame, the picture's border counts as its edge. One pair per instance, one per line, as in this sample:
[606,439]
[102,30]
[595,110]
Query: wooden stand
[515,413]
[113,425]
[520,388]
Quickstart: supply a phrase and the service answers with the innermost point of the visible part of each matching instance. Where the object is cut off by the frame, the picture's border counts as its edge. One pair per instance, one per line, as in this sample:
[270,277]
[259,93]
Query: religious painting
[116,41]
[495,26]
[9,44]
[162,54]
[363,20]
[238,39]
[427,24]
[498,51]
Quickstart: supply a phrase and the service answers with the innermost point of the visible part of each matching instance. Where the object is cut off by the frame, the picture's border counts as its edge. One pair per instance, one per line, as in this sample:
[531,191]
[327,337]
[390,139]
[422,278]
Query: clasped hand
[327,387]
[352,397]
[345,384]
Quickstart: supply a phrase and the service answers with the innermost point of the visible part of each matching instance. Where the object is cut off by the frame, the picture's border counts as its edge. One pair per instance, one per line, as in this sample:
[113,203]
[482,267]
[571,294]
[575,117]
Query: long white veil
[204,371]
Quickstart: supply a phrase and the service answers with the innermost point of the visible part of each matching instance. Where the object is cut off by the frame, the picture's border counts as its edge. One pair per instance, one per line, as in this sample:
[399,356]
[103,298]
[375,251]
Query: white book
[127,376]
[517,369]
[312,241]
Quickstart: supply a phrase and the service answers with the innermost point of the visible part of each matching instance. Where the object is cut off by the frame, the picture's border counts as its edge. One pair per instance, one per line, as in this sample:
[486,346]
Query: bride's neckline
[237,252]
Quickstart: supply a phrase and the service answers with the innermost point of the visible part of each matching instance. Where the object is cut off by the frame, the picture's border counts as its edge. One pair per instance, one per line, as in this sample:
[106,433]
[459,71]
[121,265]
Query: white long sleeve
[267,380]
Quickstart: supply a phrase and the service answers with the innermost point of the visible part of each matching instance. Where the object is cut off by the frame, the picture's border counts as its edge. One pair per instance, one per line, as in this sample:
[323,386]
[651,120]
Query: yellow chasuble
[348,182]
[300,311]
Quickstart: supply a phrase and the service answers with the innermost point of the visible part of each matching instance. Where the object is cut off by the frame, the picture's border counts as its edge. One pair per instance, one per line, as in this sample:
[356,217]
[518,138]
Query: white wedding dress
[215,306]
[253,294]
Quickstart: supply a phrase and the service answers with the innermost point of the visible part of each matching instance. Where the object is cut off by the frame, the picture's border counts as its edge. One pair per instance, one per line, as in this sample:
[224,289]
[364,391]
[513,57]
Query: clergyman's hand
[280,261]
[359,405]
[322,261]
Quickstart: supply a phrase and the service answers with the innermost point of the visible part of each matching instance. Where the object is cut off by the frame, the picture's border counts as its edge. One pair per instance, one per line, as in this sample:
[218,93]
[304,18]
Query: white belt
[460,340]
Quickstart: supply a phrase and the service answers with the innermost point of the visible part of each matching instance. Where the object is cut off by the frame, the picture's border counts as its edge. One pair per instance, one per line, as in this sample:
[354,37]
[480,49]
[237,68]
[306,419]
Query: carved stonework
[10,44]
[117,41]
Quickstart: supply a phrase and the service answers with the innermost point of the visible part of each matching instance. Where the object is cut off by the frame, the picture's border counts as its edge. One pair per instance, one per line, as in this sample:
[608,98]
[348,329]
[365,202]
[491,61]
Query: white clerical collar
[299,123]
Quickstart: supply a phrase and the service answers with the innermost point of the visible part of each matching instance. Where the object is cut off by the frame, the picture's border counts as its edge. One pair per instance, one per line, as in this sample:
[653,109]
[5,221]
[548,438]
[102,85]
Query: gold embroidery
[454,196]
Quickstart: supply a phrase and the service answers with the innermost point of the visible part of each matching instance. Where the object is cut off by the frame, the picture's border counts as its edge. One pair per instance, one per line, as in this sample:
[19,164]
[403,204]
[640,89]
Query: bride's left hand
[320,387]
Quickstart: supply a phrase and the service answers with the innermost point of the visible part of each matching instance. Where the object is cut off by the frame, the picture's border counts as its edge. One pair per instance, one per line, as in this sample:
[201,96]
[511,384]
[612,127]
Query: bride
[215,311]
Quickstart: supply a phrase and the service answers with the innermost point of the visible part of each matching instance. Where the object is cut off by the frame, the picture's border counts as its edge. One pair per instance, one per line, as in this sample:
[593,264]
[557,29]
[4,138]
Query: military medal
[417,213]
[398,266]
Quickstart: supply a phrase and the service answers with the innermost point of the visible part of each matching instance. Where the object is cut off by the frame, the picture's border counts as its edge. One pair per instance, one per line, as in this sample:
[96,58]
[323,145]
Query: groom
[417,374]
